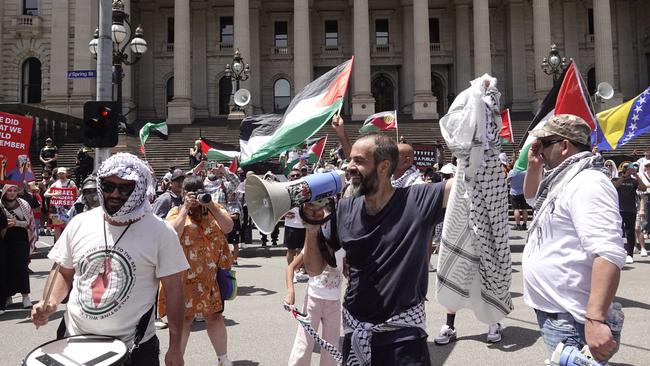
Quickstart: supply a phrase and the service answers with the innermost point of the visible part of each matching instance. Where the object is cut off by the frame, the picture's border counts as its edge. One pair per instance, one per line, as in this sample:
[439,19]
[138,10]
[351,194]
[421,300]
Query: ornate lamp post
[554,63]
[237,71]
[123,37]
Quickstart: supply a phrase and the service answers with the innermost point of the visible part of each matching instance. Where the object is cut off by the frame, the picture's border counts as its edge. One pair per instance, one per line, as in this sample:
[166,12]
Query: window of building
[30,7]
[282,34]
[331,34]
[169,89]
[225,90]
[281,95]
[381,32]
[170,30]
[31,75]
[434,30]
[590,16]
[227,31]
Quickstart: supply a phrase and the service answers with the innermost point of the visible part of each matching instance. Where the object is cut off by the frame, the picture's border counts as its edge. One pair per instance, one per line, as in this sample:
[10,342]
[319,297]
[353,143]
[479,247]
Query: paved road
[261,333]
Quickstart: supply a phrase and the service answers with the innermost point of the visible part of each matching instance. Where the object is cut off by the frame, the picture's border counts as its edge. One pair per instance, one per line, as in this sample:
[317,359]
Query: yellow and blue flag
[619,125]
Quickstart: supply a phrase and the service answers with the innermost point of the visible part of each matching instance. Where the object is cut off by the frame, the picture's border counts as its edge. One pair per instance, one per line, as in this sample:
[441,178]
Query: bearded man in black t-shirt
[385,233]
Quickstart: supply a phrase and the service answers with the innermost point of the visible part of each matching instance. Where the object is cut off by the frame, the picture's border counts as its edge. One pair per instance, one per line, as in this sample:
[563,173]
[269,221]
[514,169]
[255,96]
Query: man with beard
[385,233]
[112,258]
[172,197]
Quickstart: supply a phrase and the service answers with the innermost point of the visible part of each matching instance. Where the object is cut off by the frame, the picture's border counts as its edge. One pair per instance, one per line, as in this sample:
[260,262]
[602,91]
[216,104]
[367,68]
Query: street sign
[81,74]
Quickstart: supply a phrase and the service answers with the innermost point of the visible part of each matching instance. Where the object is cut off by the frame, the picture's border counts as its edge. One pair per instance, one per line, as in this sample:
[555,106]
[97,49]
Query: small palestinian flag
[506,128]
[159,129]
[315,150]
[217,151]
[233,166]
[381,121]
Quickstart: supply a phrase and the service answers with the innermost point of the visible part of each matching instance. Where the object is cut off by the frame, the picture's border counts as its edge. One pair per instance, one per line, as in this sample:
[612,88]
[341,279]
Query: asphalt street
[260,332]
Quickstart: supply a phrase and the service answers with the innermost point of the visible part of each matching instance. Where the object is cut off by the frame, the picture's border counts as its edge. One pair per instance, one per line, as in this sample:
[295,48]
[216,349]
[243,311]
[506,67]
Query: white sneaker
[644,253]
[225,362]
[494,333]
[446,335]
[199,318]
[27,302]
[160,324]
[2,312]
[629,260]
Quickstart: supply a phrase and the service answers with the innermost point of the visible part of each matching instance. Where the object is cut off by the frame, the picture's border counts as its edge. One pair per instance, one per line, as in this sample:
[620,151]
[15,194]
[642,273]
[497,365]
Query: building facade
[410,55]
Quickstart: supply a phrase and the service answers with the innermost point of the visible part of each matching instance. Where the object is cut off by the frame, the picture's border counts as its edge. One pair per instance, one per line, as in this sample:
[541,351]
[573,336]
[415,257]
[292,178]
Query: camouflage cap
[571,127]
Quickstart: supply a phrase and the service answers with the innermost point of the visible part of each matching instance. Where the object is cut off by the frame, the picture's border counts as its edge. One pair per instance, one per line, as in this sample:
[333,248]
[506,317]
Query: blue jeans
[562,327]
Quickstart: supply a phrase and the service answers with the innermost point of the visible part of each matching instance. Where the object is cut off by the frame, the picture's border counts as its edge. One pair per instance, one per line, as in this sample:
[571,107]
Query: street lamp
[237,71]
[123,37]
[554,63]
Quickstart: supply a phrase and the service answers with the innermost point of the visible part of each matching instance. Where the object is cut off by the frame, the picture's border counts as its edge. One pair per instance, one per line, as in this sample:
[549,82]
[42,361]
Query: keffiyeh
[129,167]
[410,177]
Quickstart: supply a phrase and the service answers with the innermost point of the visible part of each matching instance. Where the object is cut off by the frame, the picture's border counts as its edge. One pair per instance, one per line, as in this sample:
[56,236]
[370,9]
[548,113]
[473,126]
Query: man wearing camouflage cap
[574,254]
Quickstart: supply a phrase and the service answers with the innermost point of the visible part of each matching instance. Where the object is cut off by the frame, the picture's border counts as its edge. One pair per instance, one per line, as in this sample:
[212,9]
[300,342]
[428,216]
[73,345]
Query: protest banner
[60,204]
[15,133]
[425,156]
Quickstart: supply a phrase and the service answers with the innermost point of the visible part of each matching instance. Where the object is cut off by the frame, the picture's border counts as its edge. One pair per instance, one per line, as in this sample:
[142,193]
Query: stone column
[542,43]
[255,80]
[627,79]
[482,54]
[424,103]
[570,14]
[242,34]
[199,61]
[603,49]
[83,89]
[146,67]
[363,104]
[302,69]
[407,77]
[517,54]
[57,98]
[180,110]
[463,63]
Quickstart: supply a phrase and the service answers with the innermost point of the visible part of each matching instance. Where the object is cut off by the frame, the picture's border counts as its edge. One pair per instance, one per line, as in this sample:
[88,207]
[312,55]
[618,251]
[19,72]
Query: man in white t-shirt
[110,260]
[574,254]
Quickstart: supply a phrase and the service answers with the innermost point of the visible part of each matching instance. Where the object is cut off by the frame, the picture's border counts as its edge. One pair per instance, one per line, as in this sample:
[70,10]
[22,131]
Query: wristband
[596,320]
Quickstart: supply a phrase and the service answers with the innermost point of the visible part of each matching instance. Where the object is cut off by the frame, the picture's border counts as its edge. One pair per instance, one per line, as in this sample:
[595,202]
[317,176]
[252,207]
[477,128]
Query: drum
[88,350]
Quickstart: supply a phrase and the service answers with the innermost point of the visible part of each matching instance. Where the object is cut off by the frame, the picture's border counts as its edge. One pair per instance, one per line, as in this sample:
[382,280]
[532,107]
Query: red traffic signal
[100,126]
[104,111]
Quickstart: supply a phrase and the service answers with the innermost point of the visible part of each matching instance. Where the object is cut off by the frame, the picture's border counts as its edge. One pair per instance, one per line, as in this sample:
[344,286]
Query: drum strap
[141,328]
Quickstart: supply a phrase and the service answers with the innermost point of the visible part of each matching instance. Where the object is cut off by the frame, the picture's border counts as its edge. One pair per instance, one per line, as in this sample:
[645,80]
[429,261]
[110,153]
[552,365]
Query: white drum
[87,350]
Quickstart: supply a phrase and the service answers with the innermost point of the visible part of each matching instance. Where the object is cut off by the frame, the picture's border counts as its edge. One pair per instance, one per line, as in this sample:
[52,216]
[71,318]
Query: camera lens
[204,198]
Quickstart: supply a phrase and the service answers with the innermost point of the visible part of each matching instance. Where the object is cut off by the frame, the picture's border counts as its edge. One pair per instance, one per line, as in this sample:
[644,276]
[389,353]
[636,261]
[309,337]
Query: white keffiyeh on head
[128,167]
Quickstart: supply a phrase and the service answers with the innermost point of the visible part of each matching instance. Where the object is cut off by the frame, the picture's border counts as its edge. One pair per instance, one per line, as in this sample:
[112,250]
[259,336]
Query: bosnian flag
[568,96]
[261,137]
[506,128]
[381,121]
[213,150]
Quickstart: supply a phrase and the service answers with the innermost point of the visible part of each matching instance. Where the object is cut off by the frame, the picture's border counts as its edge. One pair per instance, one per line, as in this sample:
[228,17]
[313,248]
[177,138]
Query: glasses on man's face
[295,175]
[546,143]
[123,189]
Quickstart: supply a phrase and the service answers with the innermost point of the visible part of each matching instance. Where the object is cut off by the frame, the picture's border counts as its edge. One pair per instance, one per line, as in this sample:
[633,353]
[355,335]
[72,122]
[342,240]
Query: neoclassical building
[410,55]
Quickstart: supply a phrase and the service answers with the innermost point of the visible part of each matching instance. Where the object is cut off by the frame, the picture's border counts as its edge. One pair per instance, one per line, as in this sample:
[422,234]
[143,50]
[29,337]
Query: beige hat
[62,170]
[571,127]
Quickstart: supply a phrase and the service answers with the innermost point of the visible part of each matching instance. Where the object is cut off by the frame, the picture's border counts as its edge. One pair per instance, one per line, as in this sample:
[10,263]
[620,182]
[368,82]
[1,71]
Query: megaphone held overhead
[605,90]
[268,202]
[242,97]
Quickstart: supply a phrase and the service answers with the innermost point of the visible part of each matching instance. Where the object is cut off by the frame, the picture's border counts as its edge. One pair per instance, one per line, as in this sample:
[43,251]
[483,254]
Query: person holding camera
[201,225]
[626,186]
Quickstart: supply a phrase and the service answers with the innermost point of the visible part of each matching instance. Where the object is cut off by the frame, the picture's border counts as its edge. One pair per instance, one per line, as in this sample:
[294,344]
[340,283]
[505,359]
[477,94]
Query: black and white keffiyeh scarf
[129,167]
[410,177]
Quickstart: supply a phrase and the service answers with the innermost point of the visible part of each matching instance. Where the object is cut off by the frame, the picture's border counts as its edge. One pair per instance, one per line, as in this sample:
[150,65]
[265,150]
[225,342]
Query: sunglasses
[123,189]
[546,143]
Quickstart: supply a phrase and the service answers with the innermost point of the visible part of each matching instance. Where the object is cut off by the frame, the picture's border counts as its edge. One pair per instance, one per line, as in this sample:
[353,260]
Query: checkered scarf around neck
[407,179]
[129,167]
[27,215]
[557,179]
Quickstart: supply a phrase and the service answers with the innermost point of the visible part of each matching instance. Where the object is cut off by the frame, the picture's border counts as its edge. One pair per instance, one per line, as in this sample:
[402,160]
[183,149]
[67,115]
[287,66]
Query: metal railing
[435,47]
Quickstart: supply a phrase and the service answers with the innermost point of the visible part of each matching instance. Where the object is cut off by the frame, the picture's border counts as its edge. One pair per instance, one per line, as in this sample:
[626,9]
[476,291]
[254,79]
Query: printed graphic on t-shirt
[105,282]
[330,279]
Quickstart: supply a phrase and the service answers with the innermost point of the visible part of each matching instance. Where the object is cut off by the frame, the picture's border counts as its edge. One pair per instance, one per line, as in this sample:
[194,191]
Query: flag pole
[396,127]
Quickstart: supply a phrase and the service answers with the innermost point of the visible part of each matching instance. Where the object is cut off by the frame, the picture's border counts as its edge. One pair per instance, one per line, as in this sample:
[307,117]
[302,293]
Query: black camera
[203,197]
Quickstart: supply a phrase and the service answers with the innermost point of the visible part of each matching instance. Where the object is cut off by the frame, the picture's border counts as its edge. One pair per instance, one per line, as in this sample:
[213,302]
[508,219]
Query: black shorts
[147,353]
[294,238]
[407,346]
[233,236]
[518,202]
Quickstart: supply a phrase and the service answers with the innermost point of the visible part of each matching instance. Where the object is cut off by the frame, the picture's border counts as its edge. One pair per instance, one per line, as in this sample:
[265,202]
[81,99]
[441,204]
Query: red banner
[60,204]
[15,133]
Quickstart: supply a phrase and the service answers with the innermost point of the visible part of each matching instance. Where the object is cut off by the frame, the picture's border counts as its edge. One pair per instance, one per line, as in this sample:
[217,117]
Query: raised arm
[534,172]
[337,124]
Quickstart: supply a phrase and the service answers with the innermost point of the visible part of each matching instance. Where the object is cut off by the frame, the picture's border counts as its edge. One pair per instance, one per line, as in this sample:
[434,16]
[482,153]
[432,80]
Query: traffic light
[100,125]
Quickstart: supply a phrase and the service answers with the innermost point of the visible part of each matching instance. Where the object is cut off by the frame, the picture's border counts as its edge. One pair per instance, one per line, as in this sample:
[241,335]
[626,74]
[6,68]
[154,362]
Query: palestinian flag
[315,148]
[569,95]
[217,151]
[506,128]
[308,112]
[233,166]
[381,121]
[158,129]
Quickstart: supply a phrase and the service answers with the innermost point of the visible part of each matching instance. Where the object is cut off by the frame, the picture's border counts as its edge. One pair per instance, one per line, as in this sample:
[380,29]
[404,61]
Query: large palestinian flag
[261,137]
[568,96]
[218,151]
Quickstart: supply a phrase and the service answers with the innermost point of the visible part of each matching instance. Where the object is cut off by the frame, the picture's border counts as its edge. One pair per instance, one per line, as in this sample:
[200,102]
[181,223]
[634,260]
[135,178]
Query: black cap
[176,174]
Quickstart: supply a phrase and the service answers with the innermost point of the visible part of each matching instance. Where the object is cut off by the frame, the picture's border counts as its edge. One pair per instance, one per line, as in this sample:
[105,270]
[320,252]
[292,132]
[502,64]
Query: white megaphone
[242,97]
[267,201]
[605,91]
